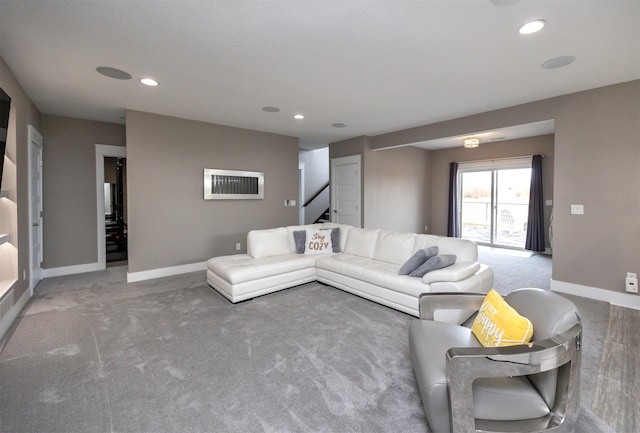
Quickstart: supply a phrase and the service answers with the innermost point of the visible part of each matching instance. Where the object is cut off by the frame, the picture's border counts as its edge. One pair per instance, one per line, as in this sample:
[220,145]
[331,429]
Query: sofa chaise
[365,262]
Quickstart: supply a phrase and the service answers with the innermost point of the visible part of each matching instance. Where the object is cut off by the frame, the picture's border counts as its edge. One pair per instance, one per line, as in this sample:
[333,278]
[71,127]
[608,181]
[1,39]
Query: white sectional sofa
[366,264]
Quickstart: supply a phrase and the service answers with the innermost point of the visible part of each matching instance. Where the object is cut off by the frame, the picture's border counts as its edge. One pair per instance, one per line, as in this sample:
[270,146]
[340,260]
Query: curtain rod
[500,159]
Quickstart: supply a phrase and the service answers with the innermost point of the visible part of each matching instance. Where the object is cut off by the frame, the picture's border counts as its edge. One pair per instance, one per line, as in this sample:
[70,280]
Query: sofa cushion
[417,259]
[457,272]
[393,247]
[240,268]
[432,264]
[464,249]
[361,242]
[375,272]
[499,324]
[269,242]
[344,230]
[424,241]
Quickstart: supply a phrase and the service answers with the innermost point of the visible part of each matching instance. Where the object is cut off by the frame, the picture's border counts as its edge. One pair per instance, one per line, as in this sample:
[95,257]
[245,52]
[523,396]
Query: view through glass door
[495,205]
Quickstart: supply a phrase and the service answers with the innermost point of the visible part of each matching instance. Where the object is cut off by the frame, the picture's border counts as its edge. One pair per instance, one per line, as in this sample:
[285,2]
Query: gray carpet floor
[91,353]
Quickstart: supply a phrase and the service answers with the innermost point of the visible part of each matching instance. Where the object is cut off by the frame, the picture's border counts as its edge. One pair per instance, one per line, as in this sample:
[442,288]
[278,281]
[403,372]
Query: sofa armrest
[465,365]
[429,303]
[456,272]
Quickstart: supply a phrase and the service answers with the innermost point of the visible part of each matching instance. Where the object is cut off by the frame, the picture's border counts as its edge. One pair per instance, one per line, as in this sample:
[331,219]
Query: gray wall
[397,191]
[24,113]
[169,222]
[69,187]
[440,160]
[596,163]
[392,180]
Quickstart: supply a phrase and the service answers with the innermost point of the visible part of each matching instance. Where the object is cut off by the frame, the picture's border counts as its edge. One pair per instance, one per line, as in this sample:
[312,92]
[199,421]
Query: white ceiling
[378,66]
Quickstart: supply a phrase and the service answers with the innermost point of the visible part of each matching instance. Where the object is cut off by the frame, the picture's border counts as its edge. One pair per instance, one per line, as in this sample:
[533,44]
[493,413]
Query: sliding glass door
[494,204]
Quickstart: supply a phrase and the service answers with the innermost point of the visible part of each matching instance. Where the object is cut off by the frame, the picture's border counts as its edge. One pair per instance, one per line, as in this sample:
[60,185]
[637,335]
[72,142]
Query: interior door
[35,207]
[345,191]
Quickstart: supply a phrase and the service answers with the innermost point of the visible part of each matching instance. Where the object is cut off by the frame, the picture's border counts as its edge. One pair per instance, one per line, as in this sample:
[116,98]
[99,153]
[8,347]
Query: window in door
[494,203]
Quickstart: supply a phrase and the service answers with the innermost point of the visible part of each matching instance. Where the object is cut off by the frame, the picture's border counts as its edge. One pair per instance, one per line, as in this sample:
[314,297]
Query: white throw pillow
[318,241]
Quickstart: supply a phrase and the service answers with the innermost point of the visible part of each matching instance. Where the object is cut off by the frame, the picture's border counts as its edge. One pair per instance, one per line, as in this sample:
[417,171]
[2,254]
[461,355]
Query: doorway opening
[115,211]
[106,174]
[494,204]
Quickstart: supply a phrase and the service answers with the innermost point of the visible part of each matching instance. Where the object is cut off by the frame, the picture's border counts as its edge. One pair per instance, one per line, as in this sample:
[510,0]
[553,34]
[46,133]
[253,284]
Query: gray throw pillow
[420,256]
[300,237]
[436,262]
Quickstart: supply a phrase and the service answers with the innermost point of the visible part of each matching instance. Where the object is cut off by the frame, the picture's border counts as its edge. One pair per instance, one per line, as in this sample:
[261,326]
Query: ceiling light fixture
[270,109]
[149,82]
[298,116]
[532,27]
[339,125]
[470,143]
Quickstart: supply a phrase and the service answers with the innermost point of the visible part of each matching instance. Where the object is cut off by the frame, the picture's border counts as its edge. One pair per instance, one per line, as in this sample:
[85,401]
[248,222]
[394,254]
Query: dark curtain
[535,223]
[453,229]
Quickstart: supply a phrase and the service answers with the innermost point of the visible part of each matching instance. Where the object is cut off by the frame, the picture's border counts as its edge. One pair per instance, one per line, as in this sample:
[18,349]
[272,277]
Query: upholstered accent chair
[466,387]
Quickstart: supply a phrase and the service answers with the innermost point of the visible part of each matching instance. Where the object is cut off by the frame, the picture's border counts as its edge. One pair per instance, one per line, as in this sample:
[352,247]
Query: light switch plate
[577,209]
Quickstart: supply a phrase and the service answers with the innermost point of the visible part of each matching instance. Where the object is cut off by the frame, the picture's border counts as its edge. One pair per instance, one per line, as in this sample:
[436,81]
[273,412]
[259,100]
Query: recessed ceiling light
[558,62]
[532,27]
[149,82]
[270,109]
[110,72]
[298,116]
[339,125]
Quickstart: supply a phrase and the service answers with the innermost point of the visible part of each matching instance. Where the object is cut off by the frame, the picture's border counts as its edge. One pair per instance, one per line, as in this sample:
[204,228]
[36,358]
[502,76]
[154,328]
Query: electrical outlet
[238,246]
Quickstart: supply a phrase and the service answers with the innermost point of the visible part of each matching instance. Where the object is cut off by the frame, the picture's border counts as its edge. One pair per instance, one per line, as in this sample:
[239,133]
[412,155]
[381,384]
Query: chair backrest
[550,314]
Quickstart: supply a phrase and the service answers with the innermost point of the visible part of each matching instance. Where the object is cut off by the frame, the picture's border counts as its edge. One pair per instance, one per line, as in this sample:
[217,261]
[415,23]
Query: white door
[35,207]
[345,191]
[301,193]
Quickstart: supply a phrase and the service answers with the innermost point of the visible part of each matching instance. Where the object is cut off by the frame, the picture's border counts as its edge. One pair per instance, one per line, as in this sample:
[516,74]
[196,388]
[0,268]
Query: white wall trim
[12,315]
[615,298]
[132,277]
[70,270]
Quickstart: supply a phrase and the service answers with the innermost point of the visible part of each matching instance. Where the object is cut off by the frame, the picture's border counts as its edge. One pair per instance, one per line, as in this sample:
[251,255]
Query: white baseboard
[13,313]
[69,270]
[616,298]
[132,277]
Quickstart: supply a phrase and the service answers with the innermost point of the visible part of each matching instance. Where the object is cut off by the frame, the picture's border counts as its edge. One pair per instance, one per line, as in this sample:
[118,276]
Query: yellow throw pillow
[499,324]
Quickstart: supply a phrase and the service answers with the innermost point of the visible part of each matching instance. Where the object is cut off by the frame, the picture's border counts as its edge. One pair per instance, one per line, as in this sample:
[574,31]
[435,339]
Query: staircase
[324,218]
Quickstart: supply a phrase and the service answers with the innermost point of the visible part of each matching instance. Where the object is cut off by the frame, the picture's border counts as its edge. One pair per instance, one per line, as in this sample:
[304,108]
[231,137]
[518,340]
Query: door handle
[35,224]
[335,211]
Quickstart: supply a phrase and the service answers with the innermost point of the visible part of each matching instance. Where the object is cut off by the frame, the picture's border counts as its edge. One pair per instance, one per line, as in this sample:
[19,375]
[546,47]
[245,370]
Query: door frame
[103,151]
[354,159]
[301,193]
[36,146]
